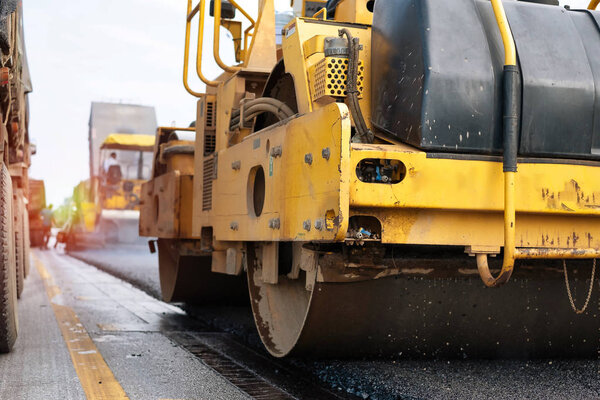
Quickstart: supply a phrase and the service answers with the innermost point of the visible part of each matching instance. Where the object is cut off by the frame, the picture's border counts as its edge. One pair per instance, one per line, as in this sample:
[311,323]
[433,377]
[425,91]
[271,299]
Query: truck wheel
[8,277]
[19,241]
[26,242]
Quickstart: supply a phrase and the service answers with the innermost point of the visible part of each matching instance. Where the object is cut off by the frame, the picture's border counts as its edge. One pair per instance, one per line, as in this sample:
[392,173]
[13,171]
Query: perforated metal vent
[210,137]
[208,175]
[328,78]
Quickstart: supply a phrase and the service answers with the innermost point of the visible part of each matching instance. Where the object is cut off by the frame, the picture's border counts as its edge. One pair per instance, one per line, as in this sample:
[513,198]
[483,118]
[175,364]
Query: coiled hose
[252,108]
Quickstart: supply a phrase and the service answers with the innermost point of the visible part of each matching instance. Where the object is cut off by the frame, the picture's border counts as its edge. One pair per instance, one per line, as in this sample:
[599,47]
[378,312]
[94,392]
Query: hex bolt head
[274,223]
[319,224]
[308,158]
[276,151]
[306,225]
[326,153]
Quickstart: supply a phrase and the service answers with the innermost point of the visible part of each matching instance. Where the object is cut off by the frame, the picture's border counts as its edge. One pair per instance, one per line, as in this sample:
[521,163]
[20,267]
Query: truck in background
[37,202]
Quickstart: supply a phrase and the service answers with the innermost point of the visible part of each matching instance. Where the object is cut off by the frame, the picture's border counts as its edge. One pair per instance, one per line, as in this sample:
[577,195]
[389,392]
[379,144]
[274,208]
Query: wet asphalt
[129,329]
[382,379]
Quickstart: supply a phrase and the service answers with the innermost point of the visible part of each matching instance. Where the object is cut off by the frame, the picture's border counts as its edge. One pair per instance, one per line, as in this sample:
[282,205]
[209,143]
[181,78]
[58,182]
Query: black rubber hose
[362,131]
[511,117]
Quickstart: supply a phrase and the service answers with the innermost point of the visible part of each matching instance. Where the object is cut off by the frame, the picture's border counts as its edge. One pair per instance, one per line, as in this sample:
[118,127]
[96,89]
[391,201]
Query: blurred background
[127,51]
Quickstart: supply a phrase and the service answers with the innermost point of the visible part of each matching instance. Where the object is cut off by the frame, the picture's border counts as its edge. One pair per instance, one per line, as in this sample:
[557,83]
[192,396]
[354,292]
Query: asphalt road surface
[382,379]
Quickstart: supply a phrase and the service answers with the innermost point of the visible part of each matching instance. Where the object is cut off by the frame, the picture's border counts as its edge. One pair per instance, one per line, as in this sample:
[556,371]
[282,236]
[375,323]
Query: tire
[26,242]
[8,279]
[18,207]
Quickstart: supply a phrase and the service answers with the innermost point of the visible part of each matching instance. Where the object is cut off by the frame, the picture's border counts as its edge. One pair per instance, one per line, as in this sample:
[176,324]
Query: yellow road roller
[397,177]
[106,206]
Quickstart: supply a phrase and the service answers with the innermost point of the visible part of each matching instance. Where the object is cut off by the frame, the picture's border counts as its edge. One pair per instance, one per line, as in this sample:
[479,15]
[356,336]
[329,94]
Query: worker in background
[47,216]
[110,161]
[112,170]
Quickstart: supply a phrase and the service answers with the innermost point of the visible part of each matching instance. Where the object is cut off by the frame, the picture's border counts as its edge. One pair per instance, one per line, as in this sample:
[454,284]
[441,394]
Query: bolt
[274,223]
[306,225]
[276,151]
[319,224]
[325,153]
[308,158]
[233,226]
[236,165]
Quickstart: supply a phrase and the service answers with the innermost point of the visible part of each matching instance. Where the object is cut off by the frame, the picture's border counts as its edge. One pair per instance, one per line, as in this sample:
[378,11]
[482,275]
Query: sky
[128,51]
[80,51]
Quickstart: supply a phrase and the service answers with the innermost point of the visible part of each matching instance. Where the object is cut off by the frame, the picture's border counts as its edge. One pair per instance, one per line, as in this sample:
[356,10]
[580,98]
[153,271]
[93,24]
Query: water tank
[437,76]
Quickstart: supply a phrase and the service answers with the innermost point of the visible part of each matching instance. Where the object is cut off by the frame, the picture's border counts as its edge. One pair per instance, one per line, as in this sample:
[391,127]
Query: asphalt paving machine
[399,177]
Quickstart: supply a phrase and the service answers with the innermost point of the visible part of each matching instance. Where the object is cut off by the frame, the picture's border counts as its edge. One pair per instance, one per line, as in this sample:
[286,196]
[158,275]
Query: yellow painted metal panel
[456,184]
[470,228]
[298,193]
[161,206]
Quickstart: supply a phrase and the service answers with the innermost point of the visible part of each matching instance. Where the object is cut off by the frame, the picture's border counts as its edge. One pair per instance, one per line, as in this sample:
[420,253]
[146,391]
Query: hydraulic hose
[255,107]
[363,134]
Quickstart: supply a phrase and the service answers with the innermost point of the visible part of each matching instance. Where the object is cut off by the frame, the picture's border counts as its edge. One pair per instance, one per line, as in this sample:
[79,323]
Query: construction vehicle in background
[106,207]
[91,222]
[15,154]
[392,179]
[37,202]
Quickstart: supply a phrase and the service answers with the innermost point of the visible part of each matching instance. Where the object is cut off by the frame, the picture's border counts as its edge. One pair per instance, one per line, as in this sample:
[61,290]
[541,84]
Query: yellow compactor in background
[106,207]
[376,174]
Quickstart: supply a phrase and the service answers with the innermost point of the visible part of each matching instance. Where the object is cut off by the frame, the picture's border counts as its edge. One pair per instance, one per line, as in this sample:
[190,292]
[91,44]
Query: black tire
[8,280]
[18,207]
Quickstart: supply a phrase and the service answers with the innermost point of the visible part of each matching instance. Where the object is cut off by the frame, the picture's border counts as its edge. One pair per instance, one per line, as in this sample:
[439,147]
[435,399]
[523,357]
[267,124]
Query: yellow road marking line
[96,378]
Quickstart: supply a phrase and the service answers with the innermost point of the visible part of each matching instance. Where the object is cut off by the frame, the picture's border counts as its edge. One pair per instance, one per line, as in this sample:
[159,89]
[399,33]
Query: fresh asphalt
[126,325]
[380,379]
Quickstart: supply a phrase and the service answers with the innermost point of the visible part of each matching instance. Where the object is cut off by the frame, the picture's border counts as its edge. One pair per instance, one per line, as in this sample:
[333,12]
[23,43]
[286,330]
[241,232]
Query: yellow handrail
[191,13]
[217,38]
[510,52]
[322,11]
[186,53]
[508,262]
[593,4]
[200,47]
[510,162]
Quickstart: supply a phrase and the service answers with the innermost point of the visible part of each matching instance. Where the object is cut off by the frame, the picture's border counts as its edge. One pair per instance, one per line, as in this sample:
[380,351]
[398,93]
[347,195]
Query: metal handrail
[200,9]
[217,34]
[191,13]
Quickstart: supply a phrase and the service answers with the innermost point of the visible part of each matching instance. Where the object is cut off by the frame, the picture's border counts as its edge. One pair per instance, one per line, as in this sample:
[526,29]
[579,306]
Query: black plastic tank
[437,76]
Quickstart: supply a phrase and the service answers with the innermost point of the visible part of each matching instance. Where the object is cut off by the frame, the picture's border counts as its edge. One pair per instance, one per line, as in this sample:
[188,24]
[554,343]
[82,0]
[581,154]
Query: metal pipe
[217,39]
[556,253]
[510,131]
